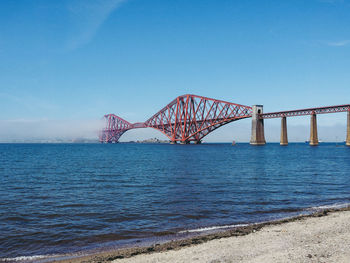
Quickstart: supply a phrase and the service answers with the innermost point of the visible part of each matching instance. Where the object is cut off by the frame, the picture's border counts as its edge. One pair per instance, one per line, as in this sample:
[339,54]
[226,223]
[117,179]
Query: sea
[62,200]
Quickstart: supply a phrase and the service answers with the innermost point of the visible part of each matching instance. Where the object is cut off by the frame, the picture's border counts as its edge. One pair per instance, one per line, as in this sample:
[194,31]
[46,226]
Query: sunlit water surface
[59,198]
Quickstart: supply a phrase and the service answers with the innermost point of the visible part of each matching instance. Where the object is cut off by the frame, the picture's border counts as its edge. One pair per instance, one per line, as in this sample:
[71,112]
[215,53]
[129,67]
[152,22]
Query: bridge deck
[303,112]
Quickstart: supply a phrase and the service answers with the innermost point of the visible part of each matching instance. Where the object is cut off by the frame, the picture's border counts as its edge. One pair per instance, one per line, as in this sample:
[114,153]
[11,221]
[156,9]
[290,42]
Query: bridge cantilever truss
[115,128]
[187,118]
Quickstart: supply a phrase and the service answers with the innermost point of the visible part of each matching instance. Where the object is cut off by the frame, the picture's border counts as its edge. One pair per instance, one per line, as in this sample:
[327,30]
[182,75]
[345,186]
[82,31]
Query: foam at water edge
[333,206]
[203,229]
[310,209]
[27,258]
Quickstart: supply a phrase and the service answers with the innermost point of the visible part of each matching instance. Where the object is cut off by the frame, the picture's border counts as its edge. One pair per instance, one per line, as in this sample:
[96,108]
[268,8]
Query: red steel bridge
[189,118]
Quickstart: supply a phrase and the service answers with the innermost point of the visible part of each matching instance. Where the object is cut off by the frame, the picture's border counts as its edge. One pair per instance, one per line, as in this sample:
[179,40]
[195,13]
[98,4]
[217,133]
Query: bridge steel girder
[303,112]
[187,118]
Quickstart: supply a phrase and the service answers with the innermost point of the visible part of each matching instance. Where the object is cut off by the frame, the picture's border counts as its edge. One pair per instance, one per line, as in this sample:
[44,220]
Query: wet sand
[321,237]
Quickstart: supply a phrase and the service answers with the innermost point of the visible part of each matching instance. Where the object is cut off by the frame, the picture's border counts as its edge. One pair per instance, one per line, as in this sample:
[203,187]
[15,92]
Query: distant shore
[323,236]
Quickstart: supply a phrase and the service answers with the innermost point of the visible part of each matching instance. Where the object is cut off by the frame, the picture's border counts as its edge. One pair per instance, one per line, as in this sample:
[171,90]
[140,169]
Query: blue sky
[64,64]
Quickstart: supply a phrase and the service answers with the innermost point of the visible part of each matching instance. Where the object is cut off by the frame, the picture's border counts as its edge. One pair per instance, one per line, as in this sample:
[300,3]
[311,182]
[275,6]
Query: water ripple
[66,198]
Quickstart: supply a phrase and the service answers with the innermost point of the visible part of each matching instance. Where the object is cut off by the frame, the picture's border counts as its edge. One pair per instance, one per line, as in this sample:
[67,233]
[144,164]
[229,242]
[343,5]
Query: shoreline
[177,245]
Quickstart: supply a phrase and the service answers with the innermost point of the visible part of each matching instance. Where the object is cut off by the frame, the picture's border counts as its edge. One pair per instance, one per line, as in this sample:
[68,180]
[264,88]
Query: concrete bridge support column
[258,135]
[313,131]
[284,136]
[348,130]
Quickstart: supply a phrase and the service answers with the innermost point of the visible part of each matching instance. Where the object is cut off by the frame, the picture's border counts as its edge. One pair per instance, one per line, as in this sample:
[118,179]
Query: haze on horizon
[64,64]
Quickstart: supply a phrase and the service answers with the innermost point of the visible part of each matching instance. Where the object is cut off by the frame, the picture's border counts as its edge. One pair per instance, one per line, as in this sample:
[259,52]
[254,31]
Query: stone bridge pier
[258,136]
[313,130]
[284,136]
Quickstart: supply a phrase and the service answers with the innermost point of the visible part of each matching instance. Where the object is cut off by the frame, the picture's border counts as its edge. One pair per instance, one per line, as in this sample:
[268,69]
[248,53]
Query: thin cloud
[87,17]
[339,43]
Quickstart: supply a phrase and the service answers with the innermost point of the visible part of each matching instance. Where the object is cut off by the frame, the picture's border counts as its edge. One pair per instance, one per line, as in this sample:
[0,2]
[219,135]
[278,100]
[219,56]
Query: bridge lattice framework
[189,118]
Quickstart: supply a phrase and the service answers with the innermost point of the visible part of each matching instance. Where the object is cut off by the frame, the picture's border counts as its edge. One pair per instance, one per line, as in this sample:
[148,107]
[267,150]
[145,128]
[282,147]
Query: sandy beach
[321,237]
